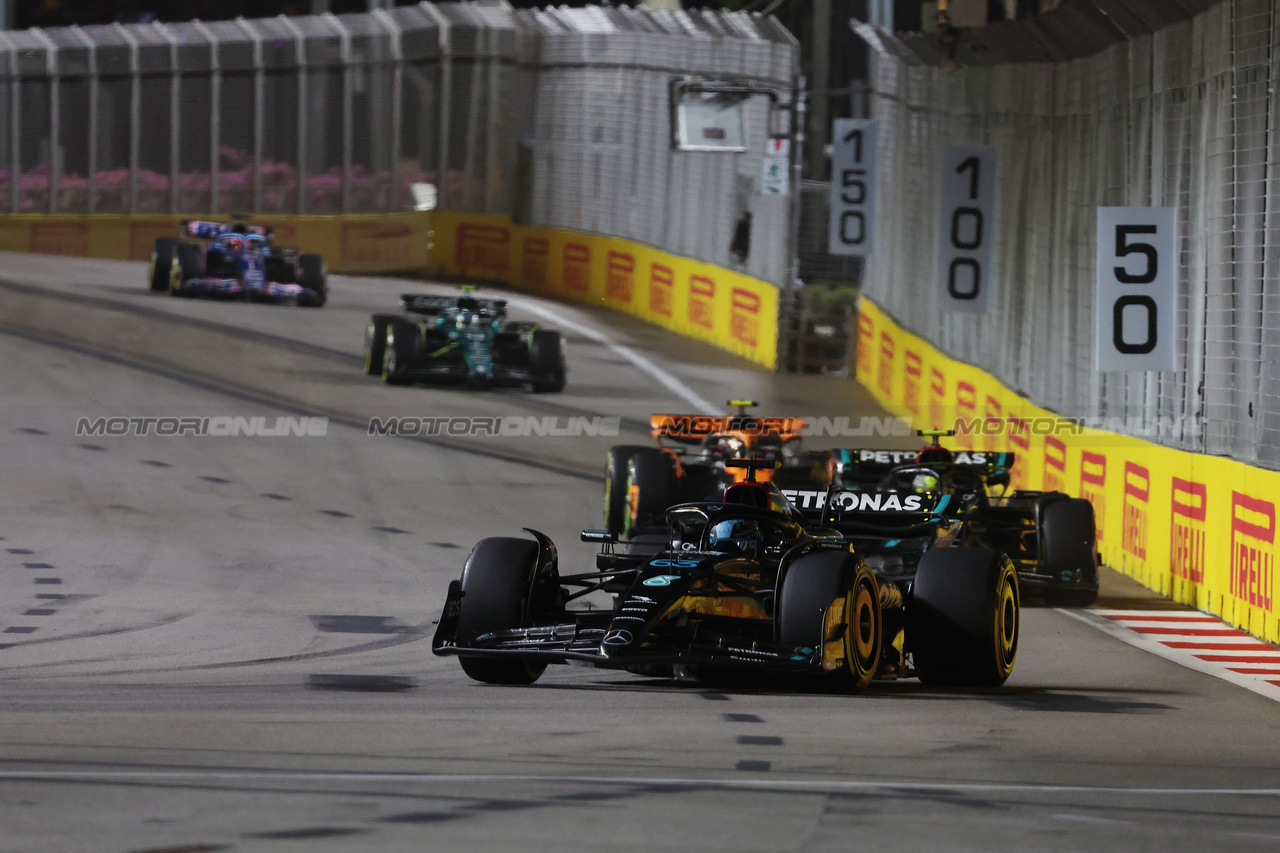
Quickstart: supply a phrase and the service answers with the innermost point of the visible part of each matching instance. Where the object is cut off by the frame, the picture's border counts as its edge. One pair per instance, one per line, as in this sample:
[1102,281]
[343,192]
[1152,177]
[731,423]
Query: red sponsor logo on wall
[912,371]
[1093,483]
[661,282]
[61,238]
[1055,464]
[1190,503]
[620,276]
[1137,493]
[884,377]
[937,398]
[702,293]
[744,316]
[577,268]
[1253,534]
[533,264]
[866,344]
[484,248]
[967,408]
[378,244]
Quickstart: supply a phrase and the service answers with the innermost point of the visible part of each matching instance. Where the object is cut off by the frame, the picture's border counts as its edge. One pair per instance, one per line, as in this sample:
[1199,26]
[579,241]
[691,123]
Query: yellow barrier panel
[1200,529]
[360,243]
[725,308]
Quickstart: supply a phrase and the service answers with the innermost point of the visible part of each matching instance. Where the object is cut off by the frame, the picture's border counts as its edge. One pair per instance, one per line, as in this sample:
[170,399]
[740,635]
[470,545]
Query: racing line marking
[643,363]
[817,785]
[1195,640]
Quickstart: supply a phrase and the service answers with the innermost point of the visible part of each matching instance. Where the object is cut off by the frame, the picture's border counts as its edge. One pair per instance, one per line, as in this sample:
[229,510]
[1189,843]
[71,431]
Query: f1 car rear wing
[423,303]
[884,514]
[877,463]
[694,429]
[203,230]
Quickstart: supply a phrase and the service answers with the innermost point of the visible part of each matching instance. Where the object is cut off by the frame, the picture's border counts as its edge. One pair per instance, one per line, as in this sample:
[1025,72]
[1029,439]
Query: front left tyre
[546,361]
[399,351]
[313,274]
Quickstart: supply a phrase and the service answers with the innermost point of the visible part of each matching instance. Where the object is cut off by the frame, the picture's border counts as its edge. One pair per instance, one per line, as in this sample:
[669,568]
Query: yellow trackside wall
[358,243]
[725,308]
[699,300]
[1200,529]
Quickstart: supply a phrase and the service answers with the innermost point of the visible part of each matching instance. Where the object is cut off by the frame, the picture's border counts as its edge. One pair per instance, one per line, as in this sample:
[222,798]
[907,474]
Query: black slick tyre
[963,617]
[496,583]
[650,491]
[829,602]
[375,342]
[546,361]
[164,264]
[615,485]
[399,351]
[1069,545]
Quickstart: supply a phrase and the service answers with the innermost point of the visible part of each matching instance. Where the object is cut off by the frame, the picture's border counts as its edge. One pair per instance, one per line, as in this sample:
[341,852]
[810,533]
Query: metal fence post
[259,91]
[397,79]
[300,55]
[135,113]
[344,37]
[175,108]
[92,167]
[215,112]
[446,88]
[15,139]
[55,141]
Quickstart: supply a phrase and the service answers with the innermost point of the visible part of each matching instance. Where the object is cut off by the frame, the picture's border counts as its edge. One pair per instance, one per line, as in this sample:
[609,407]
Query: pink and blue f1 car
[236,261]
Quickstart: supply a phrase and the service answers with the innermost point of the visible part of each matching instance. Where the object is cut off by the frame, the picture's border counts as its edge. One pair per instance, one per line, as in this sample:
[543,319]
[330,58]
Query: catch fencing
[1128,108]
[557,117]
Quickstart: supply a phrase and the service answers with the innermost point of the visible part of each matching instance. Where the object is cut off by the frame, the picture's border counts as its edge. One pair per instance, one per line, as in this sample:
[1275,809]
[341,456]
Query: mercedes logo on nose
[617,638]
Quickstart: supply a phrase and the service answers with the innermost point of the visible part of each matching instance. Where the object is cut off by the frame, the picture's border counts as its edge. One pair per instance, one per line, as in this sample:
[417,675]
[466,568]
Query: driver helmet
[934,454]
[464,318]
[737,536]
[924,481]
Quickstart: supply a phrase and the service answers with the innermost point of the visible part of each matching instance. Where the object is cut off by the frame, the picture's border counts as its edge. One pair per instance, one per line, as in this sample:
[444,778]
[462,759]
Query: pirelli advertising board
[725,308]
[1200,529]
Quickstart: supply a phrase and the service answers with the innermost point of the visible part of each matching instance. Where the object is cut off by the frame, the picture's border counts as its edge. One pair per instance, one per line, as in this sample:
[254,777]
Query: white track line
[1128,626]
[643,363]
[676,781]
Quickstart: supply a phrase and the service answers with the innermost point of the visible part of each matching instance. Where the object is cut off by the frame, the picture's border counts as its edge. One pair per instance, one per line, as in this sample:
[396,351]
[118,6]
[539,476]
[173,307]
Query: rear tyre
[313,274]
[164,264]
[190,264]
[546,361]
[615,485]
[1069,545]
[496,582]
[651,489]
[963,618]
[375,342]
[830,602]
[399,351]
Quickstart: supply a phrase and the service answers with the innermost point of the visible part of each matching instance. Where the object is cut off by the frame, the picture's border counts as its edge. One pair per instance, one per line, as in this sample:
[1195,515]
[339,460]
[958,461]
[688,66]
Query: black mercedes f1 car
[1051,537]
[870,585]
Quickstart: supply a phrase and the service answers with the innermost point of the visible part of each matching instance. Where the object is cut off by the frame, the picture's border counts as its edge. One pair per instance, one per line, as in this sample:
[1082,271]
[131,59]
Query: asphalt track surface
[223,643]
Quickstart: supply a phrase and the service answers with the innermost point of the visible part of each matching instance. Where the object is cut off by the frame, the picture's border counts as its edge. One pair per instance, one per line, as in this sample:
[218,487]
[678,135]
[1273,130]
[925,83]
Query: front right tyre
[496,584]
[963,617]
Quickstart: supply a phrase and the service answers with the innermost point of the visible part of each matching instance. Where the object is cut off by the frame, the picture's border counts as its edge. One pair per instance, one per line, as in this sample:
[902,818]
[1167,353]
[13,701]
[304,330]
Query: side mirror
[603,537]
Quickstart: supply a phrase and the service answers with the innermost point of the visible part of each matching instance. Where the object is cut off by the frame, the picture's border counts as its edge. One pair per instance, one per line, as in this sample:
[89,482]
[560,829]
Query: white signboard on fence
[1136,314]
[853,187]
[777,170]
[967,228]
